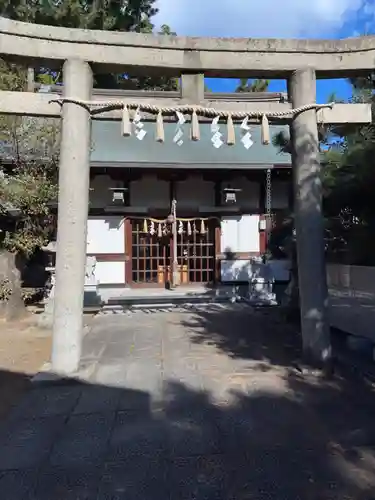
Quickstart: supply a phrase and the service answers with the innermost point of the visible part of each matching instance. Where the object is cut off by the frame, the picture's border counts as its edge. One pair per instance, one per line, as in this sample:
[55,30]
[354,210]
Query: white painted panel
[110,273]
[248,234]
[240,234]
[229,234]
[105,235]
[149,192]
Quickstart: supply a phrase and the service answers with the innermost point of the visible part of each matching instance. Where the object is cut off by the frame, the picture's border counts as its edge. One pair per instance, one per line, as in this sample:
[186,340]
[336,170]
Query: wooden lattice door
[150,256]
[196,252]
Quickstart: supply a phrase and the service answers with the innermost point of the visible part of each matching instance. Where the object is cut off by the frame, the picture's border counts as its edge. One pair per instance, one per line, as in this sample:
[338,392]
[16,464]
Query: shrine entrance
[151,255]
[152,252]
[196,255]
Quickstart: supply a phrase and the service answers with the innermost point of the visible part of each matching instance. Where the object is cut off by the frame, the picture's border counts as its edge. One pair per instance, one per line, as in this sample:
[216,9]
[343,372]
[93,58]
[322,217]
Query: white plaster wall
[249,196]
[195,192]
[149,192]
[108,273]
[240,233]
[105,235]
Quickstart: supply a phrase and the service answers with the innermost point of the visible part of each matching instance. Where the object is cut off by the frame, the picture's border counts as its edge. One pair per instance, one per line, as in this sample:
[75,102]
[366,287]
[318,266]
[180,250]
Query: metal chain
[268,203]
[268,193]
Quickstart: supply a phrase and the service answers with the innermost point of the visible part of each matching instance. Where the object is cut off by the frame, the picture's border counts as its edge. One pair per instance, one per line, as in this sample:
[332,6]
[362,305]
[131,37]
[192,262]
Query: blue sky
[275,19]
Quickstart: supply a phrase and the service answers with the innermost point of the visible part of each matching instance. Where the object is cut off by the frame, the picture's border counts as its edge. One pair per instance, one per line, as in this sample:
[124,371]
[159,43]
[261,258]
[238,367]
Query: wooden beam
[38,104]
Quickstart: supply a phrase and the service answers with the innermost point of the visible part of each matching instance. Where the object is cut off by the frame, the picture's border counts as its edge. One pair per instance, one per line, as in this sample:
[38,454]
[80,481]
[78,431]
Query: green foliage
[246,85]
[5,290]
[29,150]
[116,15]
[112,15]
[27,193]
[348,180]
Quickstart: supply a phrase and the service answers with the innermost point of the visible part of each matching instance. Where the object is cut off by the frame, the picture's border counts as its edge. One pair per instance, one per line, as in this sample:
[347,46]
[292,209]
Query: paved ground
[191,405]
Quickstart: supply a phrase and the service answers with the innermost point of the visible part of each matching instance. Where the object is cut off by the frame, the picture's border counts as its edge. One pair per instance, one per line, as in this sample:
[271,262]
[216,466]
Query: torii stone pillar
[309,222]
[74,179]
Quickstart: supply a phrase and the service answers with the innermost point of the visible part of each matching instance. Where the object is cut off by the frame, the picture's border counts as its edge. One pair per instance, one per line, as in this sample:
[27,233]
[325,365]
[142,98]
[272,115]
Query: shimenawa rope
[194,111]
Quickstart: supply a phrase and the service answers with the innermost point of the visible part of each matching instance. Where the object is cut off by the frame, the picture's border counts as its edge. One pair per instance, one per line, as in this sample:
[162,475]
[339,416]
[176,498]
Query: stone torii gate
[80,52]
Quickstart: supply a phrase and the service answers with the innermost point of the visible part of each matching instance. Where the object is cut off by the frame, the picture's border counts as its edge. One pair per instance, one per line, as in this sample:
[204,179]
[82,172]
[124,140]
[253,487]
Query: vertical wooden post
[175,279]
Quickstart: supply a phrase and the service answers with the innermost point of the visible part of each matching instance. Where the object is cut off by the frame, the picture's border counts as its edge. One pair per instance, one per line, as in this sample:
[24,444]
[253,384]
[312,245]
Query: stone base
[91,296]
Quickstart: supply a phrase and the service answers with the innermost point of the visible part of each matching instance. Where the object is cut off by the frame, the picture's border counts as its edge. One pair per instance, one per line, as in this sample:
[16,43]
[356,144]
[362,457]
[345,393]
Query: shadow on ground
[76,441]
[262,337]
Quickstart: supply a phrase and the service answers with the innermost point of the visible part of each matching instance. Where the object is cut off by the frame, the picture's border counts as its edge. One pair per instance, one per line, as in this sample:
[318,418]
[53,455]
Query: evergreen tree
[246,85]
[29,150]
[111,15]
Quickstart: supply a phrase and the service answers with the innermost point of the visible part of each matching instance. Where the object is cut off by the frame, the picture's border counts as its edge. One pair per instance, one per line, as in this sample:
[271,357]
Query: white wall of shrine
[106,235]
[240,233]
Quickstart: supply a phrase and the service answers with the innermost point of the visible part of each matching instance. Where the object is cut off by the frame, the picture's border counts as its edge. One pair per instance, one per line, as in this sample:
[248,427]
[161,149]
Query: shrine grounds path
[204,403]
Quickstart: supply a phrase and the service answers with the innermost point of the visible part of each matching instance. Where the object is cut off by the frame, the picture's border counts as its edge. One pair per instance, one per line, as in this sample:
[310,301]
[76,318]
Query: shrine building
[220,194]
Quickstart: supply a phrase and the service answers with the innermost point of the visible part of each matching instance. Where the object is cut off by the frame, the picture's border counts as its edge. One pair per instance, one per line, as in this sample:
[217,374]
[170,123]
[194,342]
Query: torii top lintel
[226,57]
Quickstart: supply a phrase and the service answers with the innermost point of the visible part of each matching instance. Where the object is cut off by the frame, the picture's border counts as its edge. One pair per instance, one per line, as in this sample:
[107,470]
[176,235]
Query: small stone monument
[91,295]
[46,318]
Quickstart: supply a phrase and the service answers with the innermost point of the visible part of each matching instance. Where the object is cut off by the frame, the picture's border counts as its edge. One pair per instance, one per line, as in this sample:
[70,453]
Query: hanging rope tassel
[231,135]
[189,228]
[145,228]
[195,133]
[126,125]
[160,231]
[203,228]
[265,130]
[160,136]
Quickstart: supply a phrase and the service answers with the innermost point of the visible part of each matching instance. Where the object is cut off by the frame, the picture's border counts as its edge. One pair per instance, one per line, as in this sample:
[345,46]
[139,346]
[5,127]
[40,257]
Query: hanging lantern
[180,227]
[189,228]
[203,229]
[145,229]
[230,194]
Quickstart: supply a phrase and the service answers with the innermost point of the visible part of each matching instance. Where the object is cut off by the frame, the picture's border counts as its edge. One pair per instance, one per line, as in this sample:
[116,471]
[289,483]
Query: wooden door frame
[129,259]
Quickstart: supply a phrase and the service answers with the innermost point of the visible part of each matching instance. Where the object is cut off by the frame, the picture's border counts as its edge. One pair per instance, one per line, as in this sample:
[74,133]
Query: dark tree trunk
[12,307]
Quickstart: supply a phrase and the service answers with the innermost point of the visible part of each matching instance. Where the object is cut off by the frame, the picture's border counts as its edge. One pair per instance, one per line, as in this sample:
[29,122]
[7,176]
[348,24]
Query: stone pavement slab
[190,405]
